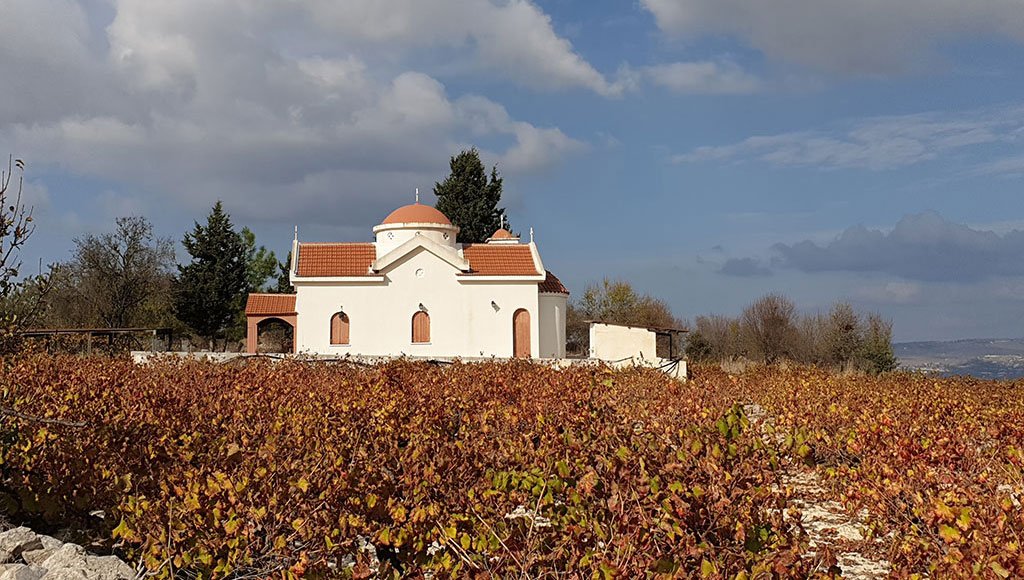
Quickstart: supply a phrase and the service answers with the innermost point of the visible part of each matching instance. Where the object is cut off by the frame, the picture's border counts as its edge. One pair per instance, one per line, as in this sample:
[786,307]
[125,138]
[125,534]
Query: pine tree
[260,263]
[876,351]
[469,199]
[209,290]
[283,279]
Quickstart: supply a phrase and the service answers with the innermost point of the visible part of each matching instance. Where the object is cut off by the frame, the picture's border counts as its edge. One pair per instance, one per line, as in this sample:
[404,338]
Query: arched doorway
[521,333]
[274,335]
[263,308]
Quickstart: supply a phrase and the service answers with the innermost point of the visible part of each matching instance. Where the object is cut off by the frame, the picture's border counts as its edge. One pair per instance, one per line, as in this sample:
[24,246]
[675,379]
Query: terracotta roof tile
[341,259]
[552,285]
[499,260]
[268,304]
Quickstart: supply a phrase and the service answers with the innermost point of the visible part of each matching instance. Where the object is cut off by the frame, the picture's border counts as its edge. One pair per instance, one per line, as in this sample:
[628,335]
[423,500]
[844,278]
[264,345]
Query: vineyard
[287,469]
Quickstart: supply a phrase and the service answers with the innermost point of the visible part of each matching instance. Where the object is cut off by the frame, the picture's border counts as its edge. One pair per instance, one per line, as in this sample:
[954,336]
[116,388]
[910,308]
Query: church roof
[355,259]
[552,285]
[417,213]
[500,260]
[269,304]
[502,234]
[335,259]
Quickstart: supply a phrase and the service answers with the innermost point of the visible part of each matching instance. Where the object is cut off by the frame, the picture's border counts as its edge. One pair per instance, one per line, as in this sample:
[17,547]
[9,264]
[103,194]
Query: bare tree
[716,337]
[20,300]
[809,346]
[769,325]
[16,225]
[121,278]
[843,335]
[616,302]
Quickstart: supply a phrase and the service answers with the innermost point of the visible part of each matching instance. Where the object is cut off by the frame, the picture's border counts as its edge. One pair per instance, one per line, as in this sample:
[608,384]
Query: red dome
[416,213]
[502,234]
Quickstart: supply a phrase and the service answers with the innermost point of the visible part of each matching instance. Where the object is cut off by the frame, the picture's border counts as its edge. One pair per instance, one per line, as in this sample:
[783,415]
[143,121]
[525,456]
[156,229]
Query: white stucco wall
[613,343]
[389,236]
[463,321]
[552,325]
[630,346]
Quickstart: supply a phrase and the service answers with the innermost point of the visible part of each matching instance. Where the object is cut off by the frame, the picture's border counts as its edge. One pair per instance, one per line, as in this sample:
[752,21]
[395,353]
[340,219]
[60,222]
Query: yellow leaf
[949,533]
[998,569]
[964,521]
[304,485]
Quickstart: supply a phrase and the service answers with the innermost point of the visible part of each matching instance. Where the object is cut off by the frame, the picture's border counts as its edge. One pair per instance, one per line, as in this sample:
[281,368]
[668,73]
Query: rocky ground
[826,522]
[26,555]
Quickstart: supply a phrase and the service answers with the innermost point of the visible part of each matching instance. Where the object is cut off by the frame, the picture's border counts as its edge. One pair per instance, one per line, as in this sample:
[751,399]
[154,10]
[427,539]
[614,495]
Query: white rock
[20,572]
[68,556]
[50,545]
[108,568]
[18,540]
[65,574]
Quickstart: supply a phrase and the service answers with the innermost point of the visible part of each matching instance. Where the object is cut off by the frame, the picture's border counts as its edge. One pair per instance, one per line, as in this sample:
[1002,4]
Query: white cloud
[862,37]
[711,78]
[876,143]
[1010,166]
[239,101]
[512,38]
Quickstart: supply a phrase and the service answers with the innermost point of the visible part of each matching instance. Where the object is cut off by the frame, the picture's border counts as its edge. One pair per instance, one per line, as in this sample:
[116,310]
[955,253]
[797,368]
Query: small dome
[502,234]
[416,213]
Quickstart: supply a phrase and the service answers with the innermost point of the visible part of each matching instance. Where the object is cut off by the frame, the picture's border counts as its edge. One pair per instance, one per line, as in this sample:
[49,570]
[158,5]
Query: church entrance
[521,334]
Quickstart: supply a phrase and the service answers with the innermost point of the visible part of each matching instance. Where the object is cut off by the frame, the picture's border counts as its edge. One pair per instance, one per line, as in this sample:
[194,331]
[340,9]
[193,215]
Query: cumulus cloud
[513,38]
[703,77]
[876,143]
[254,104]
[744,268]
[923,247]
[873,37]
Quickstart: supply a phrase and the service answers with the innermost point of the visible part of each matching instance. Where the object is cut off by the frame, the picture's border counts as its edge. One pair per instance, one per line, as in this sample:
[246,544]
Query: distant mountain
[989,358]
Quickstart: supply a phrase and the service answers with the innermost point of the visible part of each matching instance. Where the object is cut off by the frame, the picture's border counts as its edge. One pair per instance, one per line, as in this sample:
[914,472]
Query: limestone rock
[108,568]
[65,574]
[49,546]
[68,556]
[14,542]
[20,572]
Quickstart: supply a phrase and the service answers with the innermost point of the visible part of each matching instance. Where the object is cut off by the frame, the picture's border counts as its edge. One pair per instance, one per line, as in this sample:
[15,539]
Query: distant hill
[988,358]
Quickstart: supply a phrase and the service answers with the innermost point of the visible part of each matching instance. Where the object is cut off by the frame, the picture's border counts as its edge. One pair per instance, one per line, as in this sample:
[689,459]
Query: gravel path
[826,522]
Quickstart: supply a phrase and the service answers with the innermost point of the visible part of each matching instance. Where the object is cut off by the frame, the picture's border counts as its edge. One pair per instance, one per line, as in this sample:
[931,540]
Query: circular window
[391,235]
[419,273]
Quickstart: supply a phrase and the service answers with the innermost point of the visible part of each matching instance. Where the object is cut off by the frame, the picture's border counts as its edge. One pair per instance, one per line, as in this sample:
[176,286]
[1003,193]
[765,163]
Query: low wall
[675,369]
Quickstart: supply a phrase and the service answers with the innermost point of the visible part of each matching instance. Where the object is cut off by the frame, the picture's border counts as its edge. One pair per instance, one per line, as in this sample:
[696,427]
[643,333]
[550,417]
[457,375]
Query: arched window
[420,327]
[339,328]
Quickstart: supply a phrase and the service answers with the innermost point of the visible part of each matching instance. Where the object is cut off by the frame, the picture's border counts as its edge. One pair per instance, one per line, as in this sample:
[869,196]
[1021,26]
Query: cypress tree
[469,198]
[209,291]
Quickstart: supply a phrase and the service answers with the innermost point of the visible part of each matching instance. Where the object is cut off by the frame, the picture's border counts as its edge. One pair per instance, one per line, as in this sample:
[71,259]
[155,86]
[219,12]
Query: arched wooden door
[521,333]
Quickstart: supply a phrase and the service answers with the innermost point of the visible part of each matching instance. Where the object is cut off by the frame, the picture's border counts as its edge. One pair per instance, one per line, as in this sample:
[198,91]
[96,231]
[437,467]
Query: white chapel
[416,291]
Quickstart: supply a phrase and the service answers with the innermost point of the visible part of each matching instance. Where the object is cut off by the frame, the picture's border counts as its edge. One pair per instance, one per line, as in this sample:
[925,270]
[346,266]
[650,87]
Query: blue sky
[708,151]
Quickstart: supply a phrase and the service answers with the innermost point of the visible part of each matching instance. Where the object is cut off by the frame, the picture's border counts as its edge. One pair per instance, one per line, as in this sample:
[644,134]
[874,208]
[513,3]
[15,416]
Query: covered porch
[262,309]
